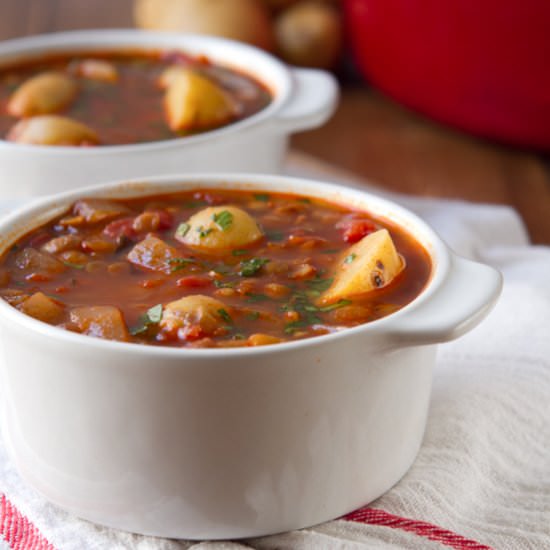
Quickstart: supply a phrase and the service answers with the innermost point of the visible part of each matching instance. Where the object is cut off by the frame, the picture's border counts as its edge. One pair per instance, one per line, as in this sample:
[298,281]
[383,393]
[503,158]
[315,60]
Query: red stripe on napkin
[18,531]
[374,516]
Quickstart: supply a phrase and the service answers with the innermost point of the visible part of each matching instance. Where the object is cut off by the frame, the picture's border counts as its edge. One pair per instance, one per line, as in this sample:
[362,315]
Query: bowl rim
[42,45]
[37,213]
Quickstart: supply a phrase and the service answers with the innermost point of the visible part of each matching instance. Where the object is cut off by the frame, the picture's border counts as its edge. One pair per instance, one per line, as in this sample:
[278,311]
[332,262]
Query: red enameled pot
[482,66]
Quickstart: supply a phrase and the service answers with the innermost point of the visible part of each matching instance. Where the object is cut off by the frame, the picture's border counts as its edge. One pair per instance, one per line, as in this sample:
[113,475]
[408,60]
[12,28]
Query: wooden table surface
[369,135]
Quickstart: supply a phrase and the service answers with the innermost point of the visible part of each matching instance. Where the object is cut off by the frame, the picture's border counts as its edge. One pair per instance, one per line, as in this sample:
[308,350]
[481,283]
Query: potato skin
[52,130]
[194,102]
[42,94]
[195,311]
[243,20]
[205,233]
[309,34]
[369,264]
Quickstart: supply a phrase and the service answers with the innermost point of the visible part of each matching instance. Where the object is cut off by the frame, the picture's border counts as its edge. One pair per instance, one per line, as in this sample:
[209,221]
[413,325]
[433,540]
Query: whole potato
[244,20]
[309,34]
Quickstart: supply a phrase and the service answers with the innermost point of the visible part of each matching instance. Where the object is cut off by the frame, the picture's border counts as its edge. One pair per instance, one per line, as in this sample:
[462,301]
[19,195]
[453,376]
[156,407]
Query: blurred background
[443,98]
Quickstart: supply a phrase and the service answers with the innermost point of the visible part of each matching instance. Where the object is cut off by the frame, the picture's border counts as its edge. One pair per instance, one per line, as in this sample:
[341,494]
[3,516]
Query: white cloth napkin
[482,477]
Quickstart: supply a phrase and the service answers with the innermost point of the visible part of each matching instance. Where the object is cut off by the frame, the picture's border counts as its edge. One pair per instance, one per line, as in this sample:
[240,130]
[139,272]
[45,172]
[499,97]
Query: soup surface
[122,97]
[212,268]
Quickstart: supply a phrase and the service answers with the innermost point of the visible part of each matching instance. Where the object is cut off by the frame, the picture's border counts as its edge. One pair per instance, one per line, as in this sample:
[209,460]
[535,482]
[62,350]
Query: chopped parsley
[300,302]
[350,258]
[336,305]
[319,285]
[204,232]
[330,251]
[74,266]
[151,317]
[225,316]
[182,229]
[179,263]
[240,252]
[249,268]
[263,197]
[223,219]
[253,315]
[222,284]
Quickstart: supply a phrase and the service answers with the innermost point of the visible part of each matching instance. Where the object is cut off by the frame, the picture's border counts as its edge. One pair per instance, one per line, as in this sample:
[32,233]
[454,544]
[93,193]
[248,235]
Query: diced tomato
[151,283]
[166,220]
[121,228]
[37,278]
[190,332]
[354,229]
[193,281]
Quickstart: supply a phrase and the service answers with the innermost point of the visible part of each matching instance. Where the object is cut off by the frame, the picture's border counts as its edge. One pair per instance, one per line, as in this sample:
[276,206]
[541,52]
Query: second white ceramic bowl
[302,99]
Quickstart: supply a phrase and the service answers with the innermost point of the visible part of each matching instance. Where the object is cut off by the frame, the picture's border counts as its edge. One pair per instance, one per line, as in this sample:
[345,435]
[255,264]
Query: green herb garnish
[74,266]
[249,268]
[350,258]
[222,284]
[263,197]
[182,229]
[225,316]
[253,315]
[318,285]
[179,263]
[223,219]
[304,200]
[240,252]
[336,305]
[204,232]
[330,251]
[151,317]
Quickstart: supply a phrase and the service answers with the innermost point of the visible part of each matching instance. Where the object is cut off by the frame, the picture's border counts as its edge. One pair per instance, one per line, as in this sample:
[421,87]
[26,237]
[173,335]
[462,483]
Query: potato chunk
[371,263]
[31,260]
[52,130]
[100,321]
[62,244]
[193,102]
[153,253]
[193,317]
[99,210]
[42,307]
[219,229]
[97,69]
[42,94]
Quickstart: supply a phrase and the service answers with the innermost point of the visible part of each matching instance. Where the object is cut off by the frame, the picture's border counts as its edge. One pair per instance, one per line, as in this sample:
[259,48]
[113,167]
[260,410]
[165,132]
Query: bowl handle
[461,302]
[312,101]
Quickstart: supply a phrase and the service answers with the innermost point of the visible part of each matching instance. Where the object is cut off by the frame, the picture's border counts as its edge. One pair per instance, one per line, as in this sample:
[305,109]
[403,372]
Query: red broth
[130,110]
[267,291]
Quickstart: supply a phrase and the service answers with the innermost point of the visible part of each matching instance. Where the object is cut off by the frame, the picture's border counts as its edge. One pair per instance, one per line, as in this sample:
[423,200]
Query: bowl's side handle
[312,101]
[461,302]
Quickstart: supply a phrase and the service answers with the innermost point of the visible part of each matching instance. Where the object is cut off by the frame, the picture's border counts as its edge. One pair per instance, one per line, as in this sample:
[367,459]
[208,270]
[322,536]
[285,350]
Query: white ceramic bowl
[225,443]
[302,99]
